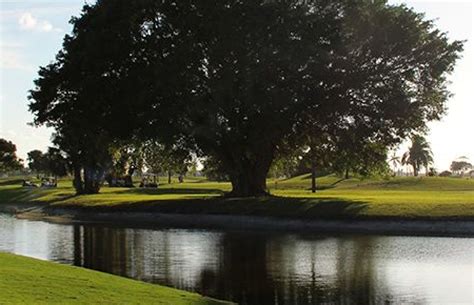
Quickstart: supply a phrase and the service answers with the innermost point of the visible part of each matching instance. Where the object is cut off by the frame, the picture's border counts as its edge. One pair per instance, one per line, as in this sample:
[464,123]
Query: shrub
[446,174]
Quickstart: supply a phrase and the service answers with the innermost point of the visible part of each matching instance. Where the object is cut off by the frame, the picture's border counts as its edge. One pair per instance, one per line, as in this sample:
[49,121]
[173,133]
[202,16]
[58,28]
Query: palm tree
[419,155]
[395,161]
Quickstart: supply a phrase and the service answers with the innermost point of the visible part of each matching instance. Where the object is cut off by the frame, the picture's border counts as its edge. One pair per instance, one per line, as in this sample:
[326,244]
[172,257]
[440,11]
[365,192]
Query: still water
[261,268]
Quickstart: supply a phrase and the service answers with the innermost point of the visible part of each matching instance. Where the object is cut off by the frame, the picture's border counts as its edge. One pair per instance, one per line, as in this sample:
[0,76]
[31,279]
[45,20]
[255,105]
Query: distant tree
[56,162]
[286,165]
[161,158]
[359,156]
[419,154]
[344,152]
[37,161]
[53,162]
[126,159]
[193,167]
[8,158]
[319,149]
[445,174]
[460,166]
[395,161]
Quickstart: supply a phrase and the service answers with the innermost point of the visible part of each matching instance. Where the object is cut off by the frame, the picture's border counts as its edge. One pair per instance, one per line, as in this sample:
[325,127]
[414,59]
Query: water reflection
[262,268]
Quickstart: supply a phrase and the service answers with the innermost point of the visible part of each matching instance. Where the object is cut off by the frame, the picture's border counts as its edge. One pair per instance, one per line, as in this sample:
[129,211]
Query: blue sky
[31,33]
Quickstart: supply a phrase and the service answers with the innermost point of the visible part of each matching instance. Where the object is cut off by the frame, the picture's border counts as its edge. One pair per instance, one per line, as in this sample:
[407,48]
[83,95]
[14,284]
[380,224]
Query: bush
[446,174]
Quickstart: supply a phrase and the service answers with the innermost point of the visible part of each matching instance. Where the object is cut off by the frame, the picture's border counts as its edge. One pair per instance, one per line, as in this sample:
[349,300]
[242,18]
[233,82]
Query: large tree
[242,80]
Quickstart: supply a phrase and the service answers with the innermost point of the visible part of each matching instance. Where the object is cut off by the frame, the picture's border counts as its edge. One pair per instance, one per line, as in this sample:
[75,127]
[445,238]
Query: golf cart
[149,181]
[49,182]
[28,184]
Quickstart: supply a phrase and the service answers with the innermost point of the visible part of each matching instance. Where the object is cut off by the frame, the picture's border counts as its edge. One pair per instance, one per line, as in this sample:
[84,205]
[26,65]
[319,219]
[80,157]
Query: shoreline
[150,219]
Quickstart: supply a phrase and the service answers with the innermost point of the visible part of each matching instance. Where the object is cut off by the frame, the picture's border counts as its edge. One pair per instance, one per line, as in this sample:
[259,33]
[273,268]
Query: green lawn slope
[30,281]
[400,197]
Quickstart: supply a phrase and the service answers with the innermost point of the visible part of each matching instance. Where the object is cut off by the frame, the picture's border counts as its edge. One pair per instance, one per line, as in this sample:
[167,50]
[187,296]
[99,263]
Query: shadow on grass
[327,186]
[166,191]
[271,206]
[322,187]
[215,204]
[11,182]
[18,195]
[335,208]
[321,207]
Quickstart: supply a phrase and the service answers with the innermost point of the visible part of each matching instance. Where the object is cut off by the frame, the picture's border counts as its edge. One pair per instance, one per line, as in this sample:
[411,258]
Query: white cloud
[11,59]
[28,22]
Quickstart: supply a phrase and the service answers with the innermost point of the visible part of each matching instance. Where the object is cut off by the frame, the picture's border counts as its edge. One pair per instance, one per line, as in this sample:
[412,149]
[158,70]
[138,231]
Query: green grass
[401,197]
[30,281]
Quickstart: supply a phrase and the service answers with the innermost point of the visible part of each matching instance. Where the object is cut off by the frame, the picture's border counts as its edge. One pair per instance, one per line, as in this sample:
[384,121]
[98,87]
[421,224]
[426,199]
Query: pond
[259,268]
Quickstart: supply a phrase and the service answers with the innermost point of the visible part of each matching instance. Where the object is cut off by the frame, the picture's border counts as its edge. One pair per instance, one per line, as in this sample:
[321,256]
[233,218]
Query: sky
[31,33]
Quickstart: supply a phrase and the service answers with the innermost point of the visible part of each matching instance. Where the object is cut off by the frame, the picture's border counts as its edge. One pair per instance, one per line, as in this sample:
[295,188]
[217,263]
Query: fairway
[404,197]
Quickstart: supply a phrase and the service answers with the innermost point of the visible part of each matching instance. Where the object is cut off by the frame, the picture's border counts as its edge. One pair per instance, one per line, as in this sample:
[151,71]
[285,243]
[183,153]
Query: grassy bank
[30,281]
[401,197]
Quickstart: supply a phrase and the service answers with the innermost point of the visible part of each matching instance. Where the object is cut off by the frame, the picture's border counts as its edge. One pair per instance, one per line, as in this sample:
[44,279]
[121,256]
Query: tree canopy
[239,81]
[8,158]
[461,165]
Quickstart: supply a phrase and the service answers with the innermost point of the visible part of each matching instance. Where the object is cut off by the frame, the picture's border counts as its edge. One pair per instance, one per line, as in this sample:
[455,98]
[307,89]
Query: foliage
[395,161]
[8,158]
[214,170]
[36,161]
[239,86]
[445,174]
[419,154]
[287,165]
[57,164]
[53,162]
[460,166]
[359,157]
[161,158]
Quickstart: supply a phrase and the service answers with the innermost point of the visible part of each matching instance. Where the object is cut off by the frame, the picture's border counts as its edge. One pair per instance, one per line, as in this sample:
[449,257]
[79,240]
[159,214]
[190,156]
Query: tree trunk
[313,176]
[415,170]
[77,181]
[347,173]
[93,177]
[251,183]
[249,178]
[169,177]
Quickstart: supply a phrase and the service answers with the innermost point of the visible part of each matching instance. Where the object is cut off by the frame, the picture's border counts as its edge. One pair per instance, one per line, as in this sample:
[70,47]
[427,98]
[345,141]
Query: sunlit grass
[336,197]
[30,281]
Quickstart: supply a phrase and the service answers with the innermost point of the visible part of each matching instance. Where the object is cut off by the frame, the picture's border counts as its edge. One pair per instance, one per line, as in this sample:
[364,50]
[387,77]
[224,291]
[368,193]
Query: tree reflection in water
[248,268]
